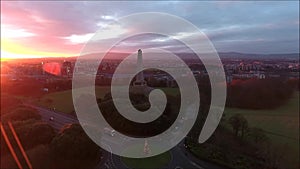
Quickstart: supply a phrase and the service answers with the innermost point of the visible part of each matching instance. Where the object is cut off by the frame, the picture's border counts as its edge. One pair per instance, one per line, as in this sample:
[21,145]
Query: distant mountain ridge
[236,55]
[222,55]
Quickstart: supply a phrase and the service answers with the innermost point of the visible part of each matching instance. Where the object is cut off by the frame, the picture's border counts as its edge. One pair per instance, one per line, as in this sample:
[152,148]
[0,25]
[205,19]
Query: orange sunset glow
[29,34]
[13,50]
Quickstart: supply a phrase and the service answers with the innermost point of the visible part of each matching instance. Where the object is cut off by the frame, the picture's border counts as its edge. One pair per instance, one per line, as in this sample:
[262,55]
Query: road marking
[111,156]
[195,164]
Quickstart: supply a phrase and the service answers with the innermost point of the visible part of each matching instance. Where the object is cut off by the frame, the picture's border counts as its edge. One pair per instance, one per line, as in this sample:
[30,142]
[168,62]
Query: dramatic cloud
[8,31]
[64,27]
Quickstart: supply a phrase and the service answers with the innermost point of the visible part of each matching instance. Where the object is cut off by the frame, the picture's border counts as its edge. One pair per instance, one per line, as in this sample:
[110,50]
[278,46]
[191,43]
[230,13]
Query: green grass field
[281,125]
[62,101]
[148,163]
[158,161]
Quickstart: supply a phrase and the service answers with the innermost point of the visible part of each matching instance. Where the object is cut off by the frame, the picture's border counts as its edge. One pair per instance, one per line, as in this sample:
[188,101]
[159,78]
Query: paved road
[60,119]
[180,156]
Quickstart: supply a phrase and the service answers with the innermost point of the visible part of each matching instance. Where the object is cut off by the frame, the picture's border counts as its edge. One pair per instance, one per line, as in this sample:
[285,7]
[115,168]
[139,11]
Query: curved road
[180,156]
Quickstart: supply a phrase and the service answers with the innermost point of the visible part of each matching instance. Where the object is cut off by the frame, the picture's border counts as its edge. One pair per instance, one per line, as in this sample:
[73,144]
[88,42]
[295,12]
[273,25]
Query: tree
[34,132]
[72,148]
[275,155]
[258,135]
[141,103]
[259,94]
[40,133]
[8,103]
[239,124]
[21,114]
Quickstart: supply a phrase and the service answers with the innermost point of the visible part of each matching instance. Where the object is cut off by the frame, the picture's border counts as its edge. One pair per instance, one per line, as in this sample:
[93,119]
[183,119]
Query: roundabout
[159,161]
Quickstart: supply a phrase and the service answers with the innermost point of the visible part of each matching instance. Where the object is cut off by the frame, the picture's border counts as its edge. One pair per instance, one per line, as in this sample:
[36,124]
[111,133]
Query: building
[66,69]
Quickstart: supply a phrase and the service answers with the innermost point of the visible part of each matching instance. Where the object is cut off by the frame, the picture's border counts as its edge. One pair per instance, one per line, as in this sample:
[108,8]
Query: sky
[61,29]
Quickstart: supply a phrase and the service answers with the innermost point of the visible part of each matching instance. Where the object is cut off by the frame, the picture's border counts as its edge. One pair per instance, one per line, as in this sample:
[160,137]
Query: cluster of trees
[241,129]
[259,93]
[34,132]
[31,130]
[268,154]
[205,101]
[72,148]
[249,147]
[239,124]
[21,113]
[140,102]
[69,148]
[154,82]
[240,146]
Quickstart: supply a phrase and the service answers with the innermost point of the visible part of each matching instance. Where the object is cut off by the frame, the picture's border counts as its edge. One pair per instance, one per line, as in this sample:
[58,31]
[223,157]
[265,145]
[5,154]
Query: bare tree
[239,124]
[258,135]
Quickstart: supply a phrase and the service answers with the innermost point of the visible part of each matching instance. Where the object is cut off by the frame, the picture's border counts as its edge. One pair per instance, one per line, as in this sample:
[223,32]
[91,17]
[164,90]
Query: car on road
[109,131]
[51,118]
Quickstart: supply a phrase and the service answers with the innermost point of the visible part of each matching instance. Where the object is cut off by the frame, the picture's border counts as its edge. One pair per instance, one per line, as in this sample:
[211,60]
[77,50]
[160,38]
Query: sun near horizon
[11,50]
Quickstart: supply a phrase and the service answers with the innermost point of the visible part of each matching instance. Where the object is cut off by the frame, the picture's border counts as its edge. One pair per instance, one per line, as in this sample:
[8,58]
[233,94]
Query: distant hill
[222,55]
[235,55]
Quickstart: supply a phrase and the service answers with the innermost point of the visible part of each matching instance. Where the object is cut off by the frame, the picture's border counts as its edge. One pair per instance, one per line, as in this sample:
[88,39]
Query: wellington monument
[140,81]
[140,85]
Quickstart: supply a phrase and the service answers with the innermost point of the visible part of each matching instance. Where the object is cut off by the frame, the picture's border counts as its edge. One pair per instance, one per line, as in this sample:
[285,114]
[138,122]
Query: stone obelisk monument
[140,81]
[140,85]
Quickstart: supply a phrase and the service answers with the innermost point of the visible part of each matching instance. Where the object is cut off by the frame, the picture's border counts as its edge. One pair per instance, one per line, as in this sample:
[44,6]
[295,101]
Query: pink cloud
[43,21]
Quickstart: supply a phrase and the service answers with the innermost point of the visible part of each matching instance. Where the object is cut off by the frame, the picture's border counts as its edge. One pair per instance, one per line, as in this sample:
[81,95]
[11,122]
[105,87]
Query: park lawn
[63,102]
[171,91]
[281,125]
[158,161]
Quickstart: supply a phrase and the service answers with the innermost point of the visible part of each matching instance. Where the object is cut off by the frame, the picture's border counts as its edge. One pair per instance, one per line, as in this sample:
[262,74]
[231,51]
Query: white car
[109,131]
